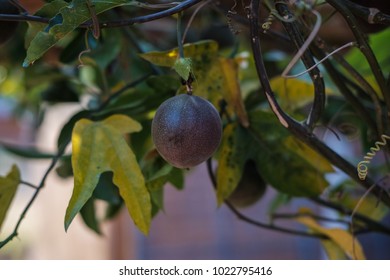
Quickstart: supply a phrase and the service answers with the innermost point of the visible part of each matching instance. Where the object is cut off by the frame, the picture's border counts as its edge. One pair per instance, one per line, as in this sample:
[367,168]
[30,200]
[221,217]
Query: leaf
[66,132]
[183,67]
[333,251]
[233,154]
[304,151]
[341,238]
[100,147]
[193,50]
[106,190]
[158,180]
[29,152]
[287,171]
[67,19]
[233,93]
[88,214]
[8,187]
[293,93]
[48,10]
[348,195]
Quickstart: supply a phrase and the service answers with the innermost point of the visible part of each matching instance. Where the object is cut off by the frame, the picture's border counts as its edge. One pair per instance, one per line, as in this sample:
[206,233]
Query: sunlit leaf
[233,154]
[8,187]
[304,151]
[67,20]
[340,237]
[194,50]
[293,93]
[100,147]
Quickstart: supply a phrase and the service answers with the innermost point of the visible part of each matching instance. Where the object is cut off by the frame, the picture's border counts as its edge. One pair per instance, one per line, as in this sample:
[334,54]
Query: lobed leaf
[100,147]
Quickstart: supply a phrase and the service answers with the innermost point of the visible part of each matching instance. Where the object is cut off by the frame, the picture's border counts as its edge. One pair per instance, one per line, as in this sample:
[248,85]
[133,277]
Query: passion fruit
[186,130]
[250,188]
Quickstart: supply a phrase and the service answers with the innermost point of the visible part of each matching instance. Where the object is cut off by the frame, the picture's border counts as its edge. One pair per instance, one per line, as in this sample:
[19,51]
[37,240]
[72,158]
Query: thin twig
[114,23]
[28,184]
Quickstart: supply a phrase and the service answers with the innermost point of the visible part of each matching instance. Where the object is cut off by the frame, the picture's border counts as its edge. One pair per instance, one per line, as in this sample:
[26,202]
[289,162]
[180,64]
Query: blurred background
[190,227]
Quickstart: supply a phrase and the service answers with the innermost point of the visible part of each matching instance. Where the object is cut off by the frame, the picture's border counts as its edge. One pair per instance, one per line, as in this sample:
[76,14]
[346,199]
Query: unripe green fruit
[7,28]
[186,130]
[250,188]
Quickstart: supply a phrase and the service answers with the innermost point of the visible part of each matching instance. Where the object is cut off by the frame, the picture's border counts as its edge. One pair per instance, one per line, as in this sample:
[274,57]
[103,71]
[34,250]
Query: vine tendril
[362,168]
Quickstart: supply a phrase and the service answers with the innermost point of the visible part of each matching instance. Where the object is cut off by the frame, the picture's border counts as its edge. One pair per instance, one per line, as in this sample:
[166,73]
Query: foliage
[70,51]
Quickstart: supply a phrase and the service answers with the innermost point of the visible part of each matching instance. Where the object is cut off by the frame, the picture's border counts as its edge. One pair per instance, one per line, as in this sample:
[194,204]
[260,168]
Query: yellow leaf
[293,93]
[232,92]
[350,246]
[307,153]
[333,251]
[99,147]
[193,50]
[8,186]
[231,161]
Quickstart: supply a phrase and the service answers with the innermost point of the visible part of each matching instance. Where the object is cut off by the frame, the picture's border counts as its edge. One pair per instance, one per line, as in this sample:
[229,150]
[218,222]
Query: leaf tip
[26,63]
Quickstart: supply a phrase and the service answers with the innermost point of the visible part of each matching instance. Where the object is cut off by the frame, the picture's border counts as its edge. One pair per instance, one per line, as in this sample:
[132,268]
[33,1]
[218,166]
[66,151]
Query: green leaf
[8,187]
[231,160]
[88,213]
[29,152]
[286,170]
[158,180]
[183,67]
[350,246]
[48,10]
[106,190]
[67,19]
[100,147]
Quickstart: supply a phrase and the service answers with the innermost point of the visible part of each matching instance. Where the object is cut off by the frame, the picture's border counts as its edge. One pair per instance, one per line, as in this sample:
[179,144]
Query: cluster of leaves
[113,158]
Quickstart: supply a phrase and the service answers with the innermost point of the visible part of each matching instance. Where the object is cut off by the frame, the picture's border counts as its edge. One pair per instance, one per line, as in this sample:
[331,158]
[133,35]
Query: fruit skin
[250,188]
[186,130]
[7,28]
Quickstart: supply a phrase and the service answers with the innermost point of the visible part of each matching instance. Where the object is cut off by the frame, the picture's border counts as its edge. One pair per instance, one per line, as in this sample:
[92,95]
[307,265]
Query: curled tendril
[362,168]
[230,23]
[268,22]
